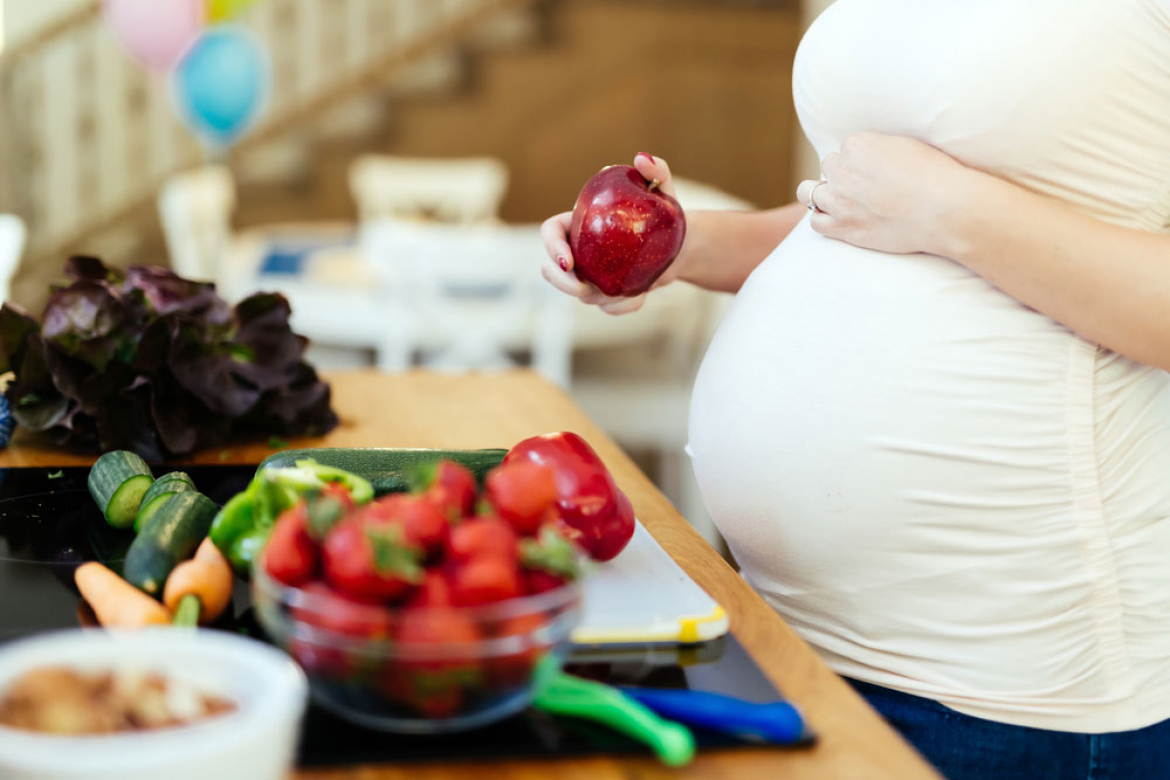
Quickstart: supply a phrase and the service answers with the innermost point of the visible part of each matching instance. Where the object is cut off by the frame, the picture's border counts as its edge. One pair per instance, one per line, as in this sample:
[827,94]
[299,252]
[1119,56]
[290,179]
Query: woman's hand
[889,193]
[557,268]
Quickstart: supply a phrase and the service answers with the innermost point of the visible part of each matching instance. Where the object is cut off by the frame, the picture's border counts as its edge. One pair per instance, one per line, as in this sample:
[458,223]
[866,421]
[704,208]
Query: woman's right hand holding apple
[557,268]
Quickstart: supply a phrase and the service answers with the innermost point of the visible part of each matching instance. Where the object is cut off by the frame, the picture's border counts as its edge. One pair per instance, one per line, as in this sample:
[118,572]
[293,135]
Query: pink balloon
[155,32]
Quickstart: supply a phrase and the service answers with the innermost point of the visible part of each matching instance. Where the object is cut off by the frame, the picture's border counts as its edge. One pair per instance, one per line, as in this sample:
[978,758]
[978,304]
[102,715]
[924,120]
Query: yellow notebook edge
[688,629]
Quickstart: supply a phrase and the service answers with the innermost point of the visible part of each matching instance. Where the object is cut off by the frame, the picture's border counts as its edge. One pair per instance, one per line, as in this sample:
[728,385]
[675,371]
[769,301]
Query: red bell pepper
[595,513]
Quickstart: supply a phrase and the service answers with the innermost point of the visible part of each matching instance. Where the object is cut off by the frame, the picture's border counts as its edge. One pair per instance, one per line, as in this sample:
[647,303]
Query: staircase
[88,136]
[574,84]
[552,87]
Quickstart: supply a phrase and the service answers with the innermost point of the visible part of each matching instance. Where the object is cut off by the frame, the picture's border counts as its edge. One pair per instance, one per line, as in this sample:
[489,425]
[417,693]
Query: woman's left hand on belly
[886,192]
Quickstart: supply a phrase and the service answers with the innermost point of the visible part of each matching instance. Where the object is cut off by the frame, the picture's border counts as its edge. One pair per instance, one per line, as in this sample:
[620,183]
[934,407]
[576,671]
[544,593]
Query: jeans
[963,747]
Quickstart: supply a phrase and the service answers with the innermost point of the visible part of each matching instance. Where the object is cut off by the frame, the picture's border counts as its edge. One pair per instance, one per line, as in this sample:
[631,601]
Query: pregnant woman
[934,427]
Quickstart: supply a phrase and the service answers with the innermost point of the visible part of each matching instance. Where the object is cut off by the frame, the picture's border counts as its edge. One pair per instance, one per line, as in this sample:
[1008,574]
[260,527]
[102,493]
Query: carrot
[117,603]
[207,576]
[85,616]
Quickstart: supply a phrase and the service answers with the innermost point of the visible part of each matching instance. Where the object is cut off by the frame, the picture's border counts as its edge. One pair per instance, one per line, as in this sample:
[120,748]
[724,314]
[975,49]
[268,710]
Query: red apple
[625,231]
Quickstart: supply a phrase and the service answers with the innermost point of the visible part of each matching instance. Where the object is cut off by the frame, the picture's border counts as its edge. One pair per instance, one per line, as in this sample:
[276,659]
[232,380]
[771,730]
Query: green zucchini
[117,482]
[163,488]
[388,470]
[168,539]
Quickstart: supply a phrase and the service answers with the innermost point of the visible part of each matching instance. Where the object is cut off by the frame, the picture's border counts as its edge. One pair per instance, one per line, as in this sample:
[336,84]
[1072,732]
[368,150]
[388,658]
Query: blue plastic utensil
[777,722]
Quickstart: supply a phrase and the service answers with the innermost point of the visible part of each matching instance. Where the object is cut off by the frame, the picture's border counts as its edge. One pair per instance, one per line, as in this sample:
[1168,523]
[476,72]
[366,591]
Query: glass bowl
[459,668]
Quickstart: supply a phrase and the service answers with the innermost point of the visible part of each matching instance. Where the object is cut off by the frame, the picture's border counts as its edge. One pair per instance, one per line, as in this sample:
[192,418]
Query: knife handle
[778,722]
[563,694]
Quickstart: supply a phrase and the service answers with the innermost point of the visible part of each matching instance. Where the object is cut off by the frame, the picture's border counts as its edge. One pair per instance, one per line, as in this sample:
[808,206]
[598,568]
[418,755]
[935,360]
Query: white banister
[89,136]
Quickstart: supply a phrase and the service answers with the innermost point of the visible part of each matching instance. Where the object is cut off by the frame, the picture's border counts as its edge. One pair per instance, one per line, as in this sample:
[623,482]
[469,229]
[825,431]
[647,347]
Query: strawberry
[368,559]
[422,523]
[522,492]
[540,581]
[435,591]
[549,560]
[515,668]
[483,579]
[448,486]
[326,508]
[486,534]
[291,555]
[333,613]
[435,685]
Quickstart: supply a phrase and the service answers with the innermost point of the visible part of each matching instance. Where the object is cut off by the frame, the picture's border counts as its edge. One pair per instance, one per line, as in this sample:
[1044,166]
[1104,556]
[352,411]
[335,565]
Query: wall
[804,157]
[705,85]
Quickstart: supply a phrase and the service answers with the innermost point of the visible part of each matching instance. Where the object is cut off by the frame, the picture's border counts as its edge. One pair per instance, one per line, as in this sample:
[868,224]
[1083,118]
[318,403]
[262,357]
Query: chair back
[12,236]
[456,190]
[467,298]
[196,208]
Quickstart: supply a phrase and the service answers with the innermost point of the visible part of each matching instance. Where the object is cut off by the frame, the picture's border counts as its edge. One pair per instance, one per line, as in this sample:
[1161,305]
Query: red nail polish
[649,157]
[563,263]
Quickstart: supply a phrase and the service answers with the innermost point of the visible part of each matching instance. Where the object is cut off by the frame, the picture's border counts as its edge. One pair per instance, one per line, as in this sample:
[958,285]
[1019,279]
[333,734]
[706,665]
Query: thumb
[652,168]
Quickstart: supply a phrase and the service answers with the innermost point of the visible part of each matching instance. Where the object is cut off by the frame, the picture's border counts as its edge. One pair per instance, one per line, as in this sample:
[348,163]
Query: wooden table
[497,410]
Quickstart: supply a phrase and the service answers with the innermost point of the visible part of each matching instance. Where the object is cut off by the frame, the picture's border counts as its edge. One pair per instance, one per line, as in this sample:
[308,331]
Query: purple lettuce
[148,361]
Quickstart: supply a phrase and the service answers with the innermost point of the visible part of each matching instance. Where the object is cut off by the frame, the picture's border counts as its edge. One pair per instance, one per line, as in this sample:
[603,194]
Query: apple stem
[654,185]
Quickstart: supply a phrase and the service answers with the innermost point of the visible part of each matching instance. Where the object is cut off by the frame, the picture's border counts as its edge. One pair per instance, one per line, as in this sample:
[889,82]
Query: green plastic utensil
[563,694]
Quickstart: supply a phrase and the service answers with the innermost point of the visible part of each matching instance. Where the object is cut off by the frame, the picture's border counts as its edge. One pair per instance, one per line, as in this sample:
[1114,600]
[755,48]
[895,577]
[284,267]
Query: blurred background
[386,165]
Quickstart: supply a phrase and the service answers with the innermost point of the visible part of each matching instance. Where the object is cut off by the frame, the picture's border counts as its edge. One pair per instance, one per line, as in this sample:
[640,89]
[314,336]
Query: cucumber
[163,488]
[172,482]
[387,469]
[117,482]
[168,539]
[149,509]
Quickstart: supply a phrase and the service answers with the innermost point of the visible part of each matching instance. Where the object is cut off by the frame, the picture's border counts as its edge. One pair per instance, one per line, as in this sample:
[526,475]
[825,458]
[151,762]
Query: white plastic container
[256,742]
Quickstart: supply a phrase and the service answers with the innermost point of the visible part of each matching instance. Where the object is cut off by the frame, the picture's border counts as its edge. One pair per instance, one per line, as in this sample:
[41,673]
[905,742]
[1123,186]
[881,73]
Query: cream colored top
[942,490]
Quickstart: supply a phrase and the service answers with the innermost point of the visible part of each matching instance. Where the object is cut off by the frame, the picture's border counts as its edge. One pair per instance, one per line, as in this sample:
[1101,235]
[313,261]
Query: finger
[824,224]
[595,297]
[661,281]
[804,190]
[829,165]
[652,168]
[565,281]
[624,305]
[825,199]
[555,235]
[818,193]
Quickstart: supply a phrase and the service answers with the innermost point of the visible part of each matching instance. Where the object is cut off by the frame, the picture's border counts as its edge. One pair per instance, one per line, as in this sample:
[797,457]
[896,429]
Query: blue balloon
[221,83]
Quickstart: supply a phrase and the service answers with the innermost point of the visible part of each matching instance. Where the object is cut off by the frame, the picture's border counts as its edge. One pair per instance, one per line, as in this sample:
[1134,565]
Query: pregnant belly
[868,428]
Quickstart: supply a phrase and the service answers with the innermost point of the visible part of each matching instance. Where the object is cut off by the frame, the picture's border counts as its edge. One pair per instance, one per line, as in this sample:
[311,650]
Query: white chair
[196,208]
[464,298]
[461,190]
[12,236]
